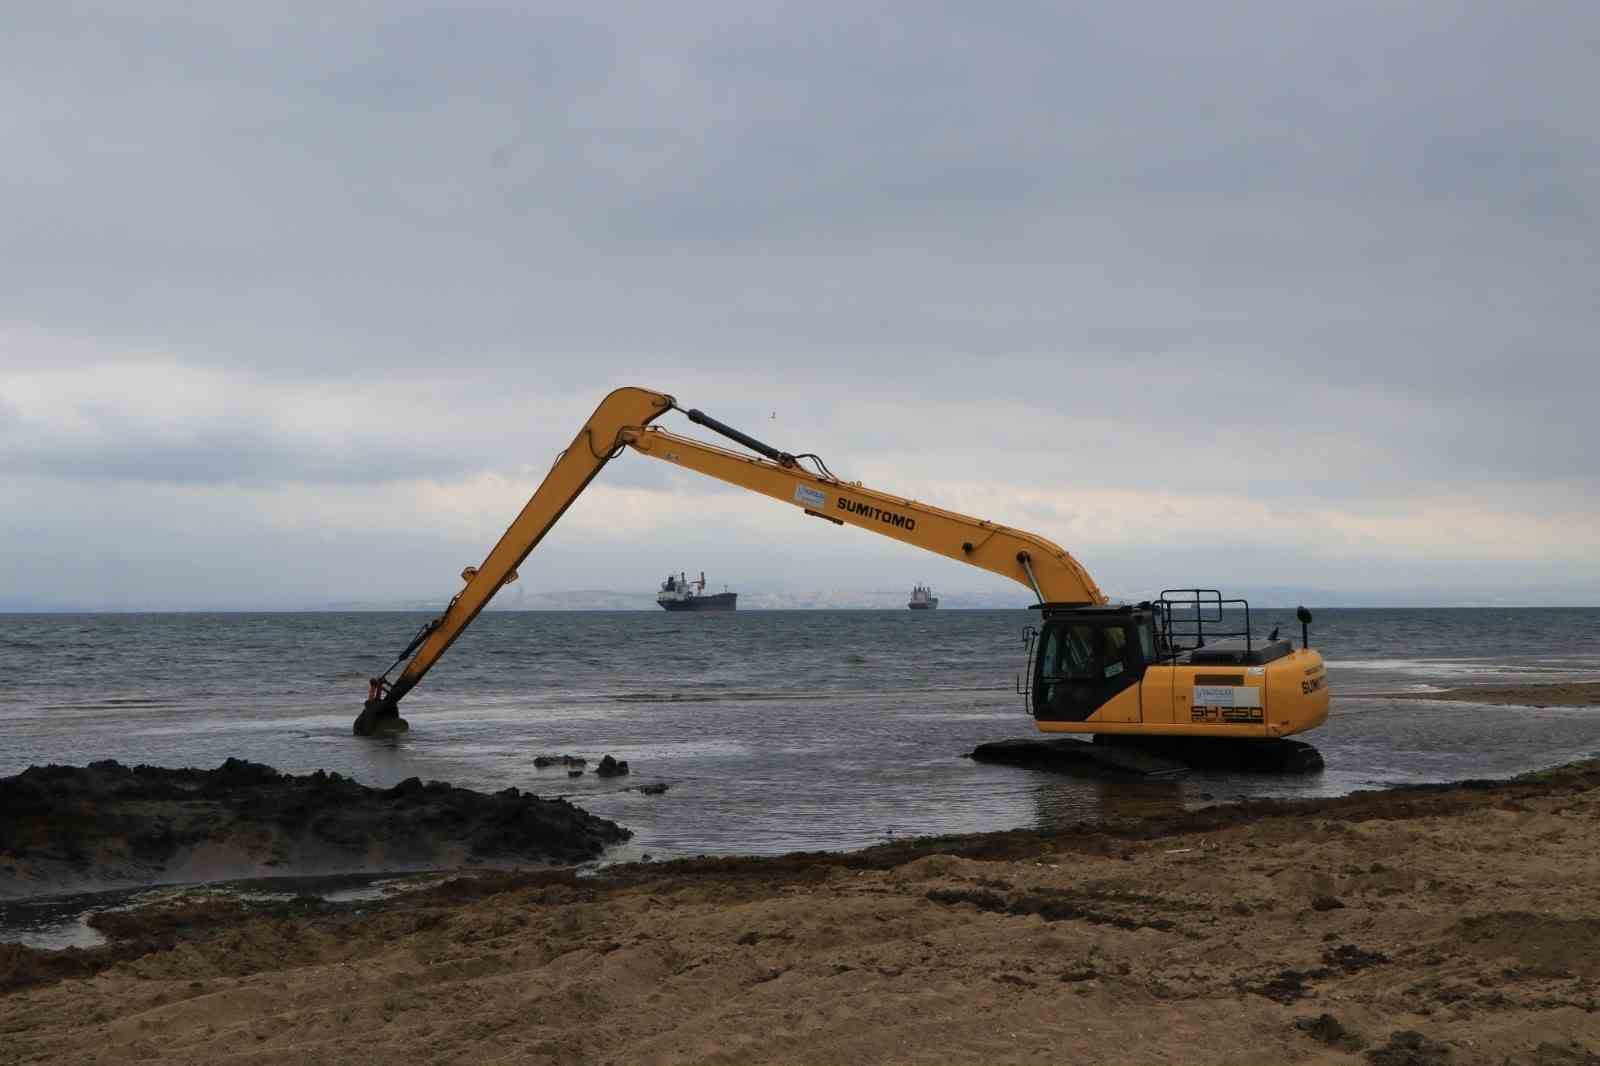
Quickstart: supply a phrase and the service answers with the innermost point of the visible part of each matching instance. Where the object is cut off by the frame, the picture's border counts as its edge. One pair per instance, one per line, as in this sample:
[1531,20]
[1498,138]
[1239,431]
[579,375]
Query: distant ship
[923,599]
[678,593]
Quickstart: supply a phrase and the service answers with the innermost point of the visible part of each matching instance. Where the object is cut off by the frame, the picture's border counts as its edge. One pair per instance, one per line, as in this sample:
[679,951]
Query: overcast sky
[298,304]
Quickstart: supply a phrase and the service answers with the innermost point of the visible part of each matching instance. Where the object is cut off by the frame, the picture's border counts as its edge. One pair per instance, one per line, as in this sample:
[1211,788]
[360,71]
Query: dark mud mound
[66,828]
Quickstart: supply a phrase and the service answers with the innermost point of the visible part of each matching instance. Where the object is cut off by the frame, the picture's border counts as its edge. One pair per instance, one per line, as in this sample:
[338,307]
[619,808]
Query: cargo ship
[678,593]
[923,599]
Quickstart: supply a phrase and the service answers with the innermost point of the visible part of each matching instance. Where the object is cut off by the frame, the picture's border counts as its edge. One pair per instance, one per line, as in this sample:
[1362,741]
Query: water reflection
[56,922]
[1072,801]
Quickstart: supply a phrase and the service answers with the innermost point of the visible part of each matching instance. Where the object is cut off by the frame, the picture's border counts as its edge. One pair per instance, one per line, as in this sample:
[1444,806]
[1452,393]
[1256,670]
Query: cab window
[1115,651]
[1147,642]
[1069,654]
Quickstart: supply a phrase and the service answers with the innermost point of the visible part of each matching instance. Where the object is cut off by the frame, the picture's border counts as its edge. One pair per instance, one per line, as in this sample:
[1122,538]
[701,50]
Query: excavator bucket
[380,715]
[379,718]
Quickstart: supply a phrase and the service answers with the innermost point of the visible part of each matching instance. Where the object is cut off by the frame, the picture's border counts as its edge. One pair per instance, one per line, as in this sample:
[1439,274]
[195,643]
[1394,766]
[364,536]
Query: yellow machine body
[1280,699]
[1162,703]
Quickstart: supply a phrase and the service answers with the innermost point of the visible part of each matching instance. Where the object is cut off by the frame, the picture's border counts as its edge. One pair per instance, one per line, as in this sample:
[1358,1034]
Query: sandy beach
[1441,924]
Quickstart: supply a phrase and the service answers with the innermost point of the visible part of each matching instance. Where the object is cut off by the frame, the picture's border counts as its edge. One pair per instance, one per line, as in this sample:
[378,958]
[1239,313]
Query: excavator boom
[1045,568]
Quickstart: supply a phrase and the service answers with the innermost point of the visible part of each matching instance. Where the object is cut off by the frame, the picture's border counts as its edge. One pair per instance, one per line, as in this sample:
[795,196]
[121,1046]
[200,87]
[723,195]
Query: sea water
[773,730]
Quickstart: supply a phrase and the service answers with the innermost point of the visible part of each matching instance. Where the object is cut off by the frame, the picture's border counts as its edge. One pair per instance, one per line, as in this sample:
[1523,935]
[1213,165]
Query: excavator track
[1152,757]
[1070,755]
[1265,756]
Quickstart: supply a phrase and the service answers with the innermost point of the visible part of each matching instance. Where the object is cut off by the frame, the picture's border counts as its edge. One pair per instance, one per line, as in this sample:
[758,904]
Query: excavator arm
[623,421]
[1047,570]
[595,445]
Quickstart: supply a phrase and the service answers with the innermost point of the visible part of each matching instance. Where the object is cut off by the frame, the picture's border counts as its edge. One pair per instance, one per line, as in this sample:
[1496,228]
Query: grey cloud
[518,180]
[228,456]
[1329,251]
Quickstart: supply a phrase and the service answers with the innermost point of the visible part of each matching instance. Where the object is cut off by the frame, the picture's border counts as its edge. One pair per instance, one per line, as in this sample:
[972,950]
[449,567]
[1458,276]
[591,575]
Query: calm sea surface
[775,730]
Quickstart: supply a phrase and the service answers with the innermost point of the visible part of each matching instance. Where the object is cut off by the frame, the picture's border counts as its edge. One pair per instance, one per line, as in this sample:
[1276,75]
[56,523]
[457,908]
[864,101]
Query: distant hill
[525,599]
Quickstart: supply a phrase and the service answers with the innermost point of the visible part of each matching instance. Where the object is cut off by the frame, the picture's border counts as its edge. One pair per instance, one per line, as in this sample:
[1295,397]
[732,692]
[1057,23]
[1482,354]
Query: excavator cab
[1087,657]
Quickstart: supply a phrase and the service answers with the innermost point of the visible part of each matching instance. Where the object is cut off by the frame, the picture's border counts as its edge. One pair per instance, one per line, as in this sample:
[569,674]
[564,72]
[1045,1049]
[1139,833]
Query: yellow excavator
[1182,668]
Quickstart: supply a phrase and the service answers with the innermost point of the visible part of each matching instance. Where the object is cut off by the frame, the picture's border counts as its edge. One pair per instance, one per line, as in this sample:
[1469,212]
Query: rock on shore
[67,828]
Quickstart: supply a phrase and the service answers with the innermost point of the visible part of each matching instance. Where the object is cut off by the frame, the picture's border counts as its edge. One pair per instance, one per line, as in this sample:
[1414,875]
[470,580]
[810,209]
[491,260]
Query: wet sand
[1438,924]
[1571,694]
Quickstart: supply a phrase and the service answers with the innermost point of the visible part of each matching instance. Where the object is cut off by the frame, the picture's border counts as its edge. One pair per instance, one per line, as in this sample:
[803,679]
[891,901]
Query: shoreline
[1562,694]
[1255,932]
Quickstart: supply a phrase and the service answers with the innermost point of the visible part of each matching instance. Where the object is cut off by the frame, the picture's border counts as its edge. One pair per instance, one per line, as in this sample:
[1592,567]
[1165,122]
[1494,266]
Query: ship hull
[721,601]
[928,606]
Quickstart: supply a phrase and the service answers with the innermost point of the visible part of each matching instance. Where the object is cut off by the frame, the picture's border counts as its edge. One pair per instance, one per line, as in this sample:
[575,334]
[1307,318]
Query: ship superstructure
[678,593]
[923,599]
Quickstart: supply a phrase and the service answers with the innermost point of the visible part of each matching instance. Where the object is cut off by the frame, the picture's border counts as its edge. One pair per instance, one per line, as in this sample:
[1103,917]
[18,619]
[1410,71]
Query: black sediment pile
[68,828]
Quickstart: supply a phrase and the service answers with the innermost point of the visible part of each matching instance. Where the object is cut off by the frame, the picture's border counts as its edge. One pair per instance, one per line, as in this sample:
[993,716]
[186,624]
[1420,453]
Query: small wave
[1401,664]
[780,695]
[106,705]
[717,697]
[110,701]
[1439,667]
